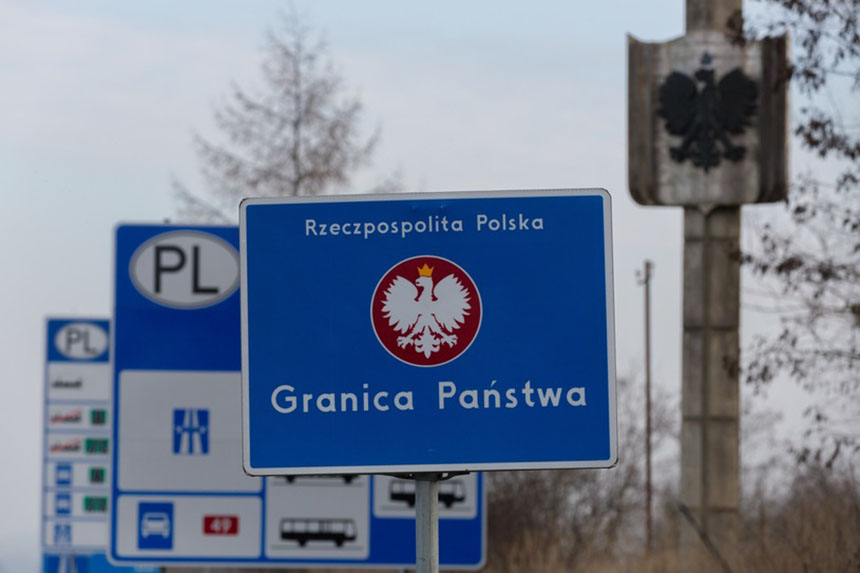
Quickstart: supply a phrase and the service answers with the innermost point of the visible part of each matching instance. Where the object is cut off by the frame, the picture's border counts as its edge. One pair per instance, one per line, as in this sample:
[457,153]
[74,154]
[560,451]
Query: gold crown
[425,271]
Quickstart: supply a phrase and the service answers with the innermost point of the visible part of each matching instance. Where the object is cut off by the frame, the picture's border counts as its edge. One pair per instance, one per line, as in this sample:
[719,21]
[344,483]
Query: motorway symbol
[190,431]
[62,533]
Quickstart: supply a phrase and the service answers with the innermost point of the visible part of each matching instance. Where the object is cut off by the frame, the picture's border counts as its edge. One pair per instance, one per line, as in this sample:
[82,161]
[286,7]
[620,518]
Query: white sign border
[456,466]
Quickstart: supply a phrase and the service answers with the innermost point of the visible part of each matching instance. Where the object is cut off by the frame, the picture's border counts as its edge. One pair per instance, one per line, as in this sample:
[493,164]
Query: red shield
[426,311]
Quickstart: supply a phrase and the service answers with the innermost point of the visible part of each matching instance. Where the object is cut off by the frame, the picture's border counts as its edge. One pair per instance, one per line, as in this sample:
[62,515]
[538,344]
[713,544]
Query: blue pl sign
[178,492]
[77,427]
[435,332]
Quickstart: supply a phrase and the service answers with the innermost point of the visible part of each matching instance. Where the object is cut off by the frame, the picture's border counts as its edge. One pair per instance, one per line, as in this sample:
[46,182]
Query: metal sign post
[645,280]
[427,523]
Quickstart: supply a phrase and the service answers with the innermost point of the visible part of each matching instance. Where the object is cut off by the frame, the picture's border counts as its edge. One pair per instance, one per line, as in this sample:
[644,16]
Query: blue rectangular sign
[427,332]
[179,495]
[78,418]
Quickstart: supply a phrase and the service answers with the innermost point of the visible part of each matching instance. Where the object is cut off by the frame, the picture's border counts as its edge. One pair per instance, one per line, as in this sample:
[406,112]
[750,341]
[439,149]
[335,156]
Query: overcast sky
[99,100]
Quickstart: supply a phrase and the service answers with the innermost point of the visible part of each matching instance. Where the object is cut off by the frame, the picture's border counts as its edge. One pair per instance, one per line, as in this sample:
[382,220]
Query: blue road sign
[155,525]
[63,534]
[63,503]
[190,431]
[430,332]
[63,474]
[77,429]
[178,492]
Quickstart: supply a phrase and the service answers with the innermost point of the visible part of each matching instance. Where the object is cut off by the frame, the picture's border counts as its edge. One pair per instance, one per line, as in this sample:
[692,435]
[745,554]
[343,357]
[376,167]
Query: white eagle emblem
[429,319]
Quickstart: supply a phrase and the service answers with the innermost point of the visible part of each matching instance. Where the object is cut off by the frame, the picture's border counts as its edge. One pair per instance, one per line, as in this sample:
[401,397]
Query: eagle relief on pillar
[707,120]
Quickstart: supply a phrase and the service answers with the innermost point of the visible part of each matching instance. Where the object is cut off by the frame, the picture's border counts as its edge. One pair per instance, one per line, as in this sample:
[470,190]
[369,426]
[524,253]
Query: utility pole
[645,280]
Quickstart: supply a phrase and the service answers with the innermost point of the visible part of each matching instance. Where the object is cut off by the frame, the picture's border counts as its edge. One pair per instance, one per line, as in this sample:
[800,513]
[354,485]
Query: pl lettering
[78,339]
[172,259]
[185,269]
[81,341]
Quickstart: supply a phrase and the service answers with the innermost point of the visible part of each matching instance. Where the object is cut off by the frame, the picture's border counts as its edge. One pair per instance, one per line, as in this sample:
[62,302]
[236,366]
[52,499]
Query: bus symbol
[450,492]
[302,530]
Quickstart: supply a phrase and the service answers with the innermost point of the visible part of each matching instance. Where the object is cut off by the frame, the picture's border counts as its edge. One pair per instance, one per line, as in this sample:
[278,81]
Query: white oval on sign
[185,269]
[81,340]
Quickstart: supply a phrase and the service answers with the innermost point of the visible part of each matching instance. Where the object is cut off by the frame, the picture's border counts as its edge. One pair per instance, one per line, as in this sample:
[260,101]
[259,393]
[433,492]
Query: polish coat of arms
[426,311]
[707,118]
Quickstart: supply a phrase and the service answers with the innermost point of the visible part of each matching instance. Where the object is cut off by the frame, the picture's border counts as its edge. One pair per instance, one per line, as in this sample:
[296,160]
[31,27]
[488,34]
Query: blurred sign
[78,421]
[179,494]
[427,332]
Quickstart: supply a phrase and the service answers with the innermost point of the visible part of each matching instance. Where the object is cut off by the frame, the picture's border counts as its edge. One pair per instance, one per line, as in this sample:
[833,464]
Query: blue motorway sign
[429,332]
[178,492]
[78,420]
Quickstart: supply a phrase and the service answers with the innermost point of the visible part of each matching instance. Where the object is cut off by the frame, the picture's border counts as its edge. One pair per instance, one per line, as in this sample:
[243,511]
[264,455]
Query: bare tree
[808,264]
[580,519]
[812,526]
[300,135]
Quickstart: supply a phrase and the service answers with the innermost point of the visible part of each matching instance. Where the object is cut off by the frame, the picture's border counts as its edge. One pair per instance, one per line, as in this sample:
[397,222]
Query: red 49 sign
[221,524]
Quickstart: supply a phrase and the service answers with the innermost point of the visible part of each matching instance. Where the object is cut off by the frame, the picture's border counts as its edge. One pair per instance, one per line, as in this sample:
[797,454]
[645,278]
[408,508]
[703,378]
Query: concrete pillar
[710,14]
[710,403]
